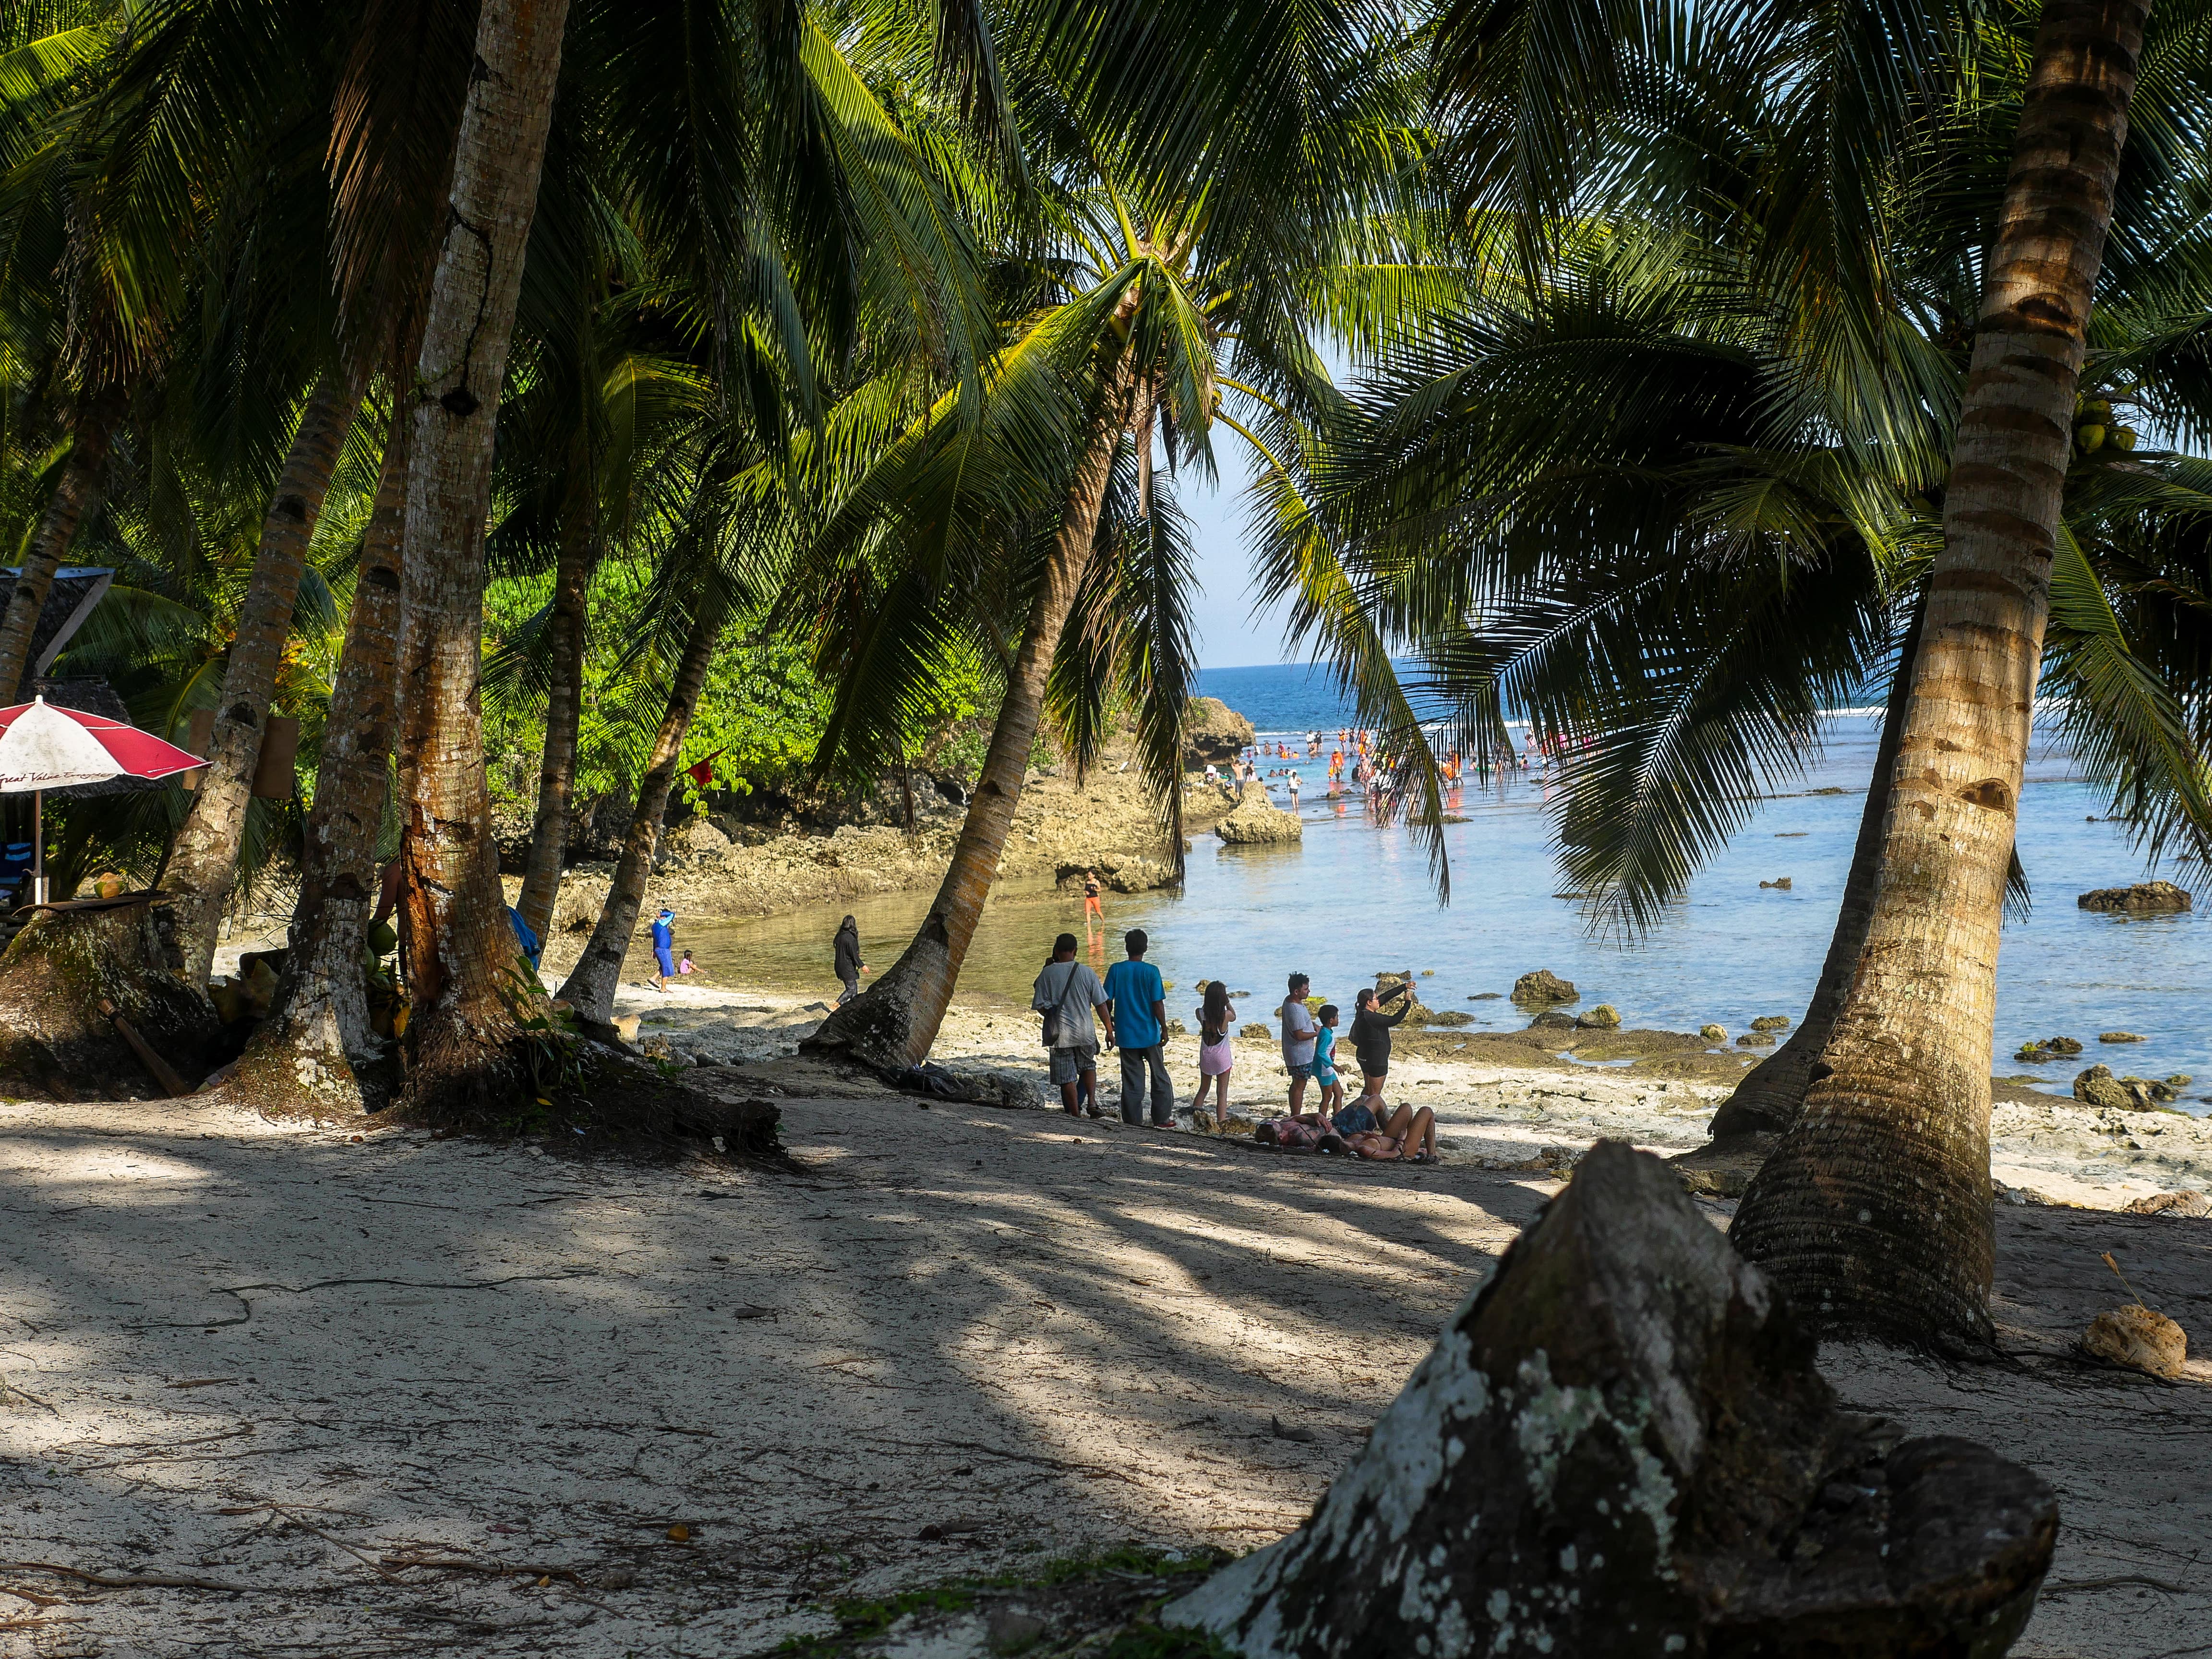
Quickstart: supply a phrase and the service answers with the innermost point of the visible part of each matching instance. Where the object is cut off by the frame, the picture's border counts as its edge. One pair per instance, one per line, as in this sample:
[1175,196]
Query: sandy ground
[293,1362]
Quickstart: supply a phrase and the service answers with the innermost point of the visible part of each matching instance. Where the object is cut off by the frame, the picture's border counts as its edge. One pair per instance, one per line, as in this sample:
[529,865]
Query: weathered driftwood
[56,1039]
[1620,1446]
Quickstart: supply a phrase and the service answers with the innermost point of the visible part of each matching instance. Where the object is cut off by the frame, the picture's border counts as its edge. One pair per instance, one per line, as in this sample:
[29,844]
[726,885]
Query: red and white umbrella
[45,747]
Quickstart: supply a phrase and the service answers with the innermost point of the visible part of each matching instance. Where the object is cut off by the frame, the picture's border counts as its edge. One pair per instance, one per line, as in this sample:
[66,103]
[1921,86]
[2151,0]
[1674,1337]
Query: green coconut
[2090,438]
[2124,437]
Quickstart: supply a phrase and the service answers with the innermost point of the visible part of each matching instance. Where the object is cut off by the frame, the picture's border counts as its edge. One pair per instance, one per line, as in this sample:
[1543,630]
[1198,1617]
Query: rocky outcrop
[1603,1017]
[1212,731]
[2179,1203]
[1621,1446]
[1255,824]
[2145,898]
[1119,873]
[1543,988]
[2098,1087]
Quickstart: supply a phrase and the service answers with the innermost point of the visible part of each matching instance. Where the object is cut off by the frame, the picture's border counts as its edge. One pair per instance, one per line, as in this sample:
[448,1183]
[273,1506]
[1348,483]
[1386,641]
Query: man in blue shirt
[1141,1017]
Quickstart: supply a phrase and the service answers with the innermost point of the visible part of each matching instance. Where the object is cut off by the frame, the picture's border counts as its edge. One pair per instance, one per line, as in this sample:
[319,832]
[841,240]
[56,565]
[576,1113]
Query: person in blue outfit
[1141,1017]
[523,936]
[664,947]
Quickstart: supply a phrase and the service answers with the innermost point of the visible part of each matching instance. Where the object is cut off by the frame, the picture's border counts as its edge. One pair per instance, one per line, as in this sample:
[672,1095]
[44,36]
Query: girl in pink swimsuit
[1214,1057]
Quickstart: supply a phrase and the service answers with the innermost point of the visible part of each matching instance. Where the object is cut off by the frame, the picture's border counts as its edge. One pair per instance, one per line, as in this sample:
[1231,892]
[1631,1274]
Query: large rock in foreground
[1212,731]
[2145,898]
[1255,824]
[1620,1446]
[56,1040]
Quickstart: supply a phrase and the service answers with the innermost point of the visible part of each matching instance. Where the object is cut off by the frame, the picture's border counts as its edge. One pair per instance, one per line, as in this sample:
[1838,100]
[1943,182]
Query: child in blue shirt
[1324,1061]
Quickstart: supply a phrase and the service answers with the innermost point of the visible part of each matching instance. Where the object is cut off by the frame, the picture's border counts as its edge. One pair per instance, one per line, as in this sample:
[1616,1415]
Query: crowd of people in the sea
[1130,1003]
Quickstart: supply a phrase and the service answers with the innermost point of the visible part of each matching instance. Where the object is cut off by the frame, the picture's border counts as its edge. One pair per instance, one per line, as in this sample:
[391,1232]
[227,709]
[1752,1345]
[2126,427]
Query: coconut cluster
[2094,427]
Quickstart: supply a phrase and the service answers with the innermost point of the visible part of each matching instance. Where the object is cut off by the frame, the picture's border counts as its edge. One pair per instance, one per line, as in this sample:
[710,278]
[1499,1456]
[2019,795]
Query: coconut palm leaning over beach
[1174,287]
[1795,418]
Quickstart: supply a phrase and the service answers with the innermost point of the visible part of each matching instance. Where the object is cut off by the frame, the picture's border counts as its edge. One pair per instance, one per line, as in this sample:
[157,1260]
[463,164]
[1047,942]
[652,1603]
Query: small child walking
[1214,1055]
[1324,1072]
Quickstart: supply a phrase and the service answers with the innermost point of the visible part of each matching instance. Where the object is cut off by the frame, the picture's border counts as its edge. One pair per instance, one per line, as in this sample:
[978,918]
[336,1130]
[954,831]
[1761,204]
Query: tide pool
[1357,897]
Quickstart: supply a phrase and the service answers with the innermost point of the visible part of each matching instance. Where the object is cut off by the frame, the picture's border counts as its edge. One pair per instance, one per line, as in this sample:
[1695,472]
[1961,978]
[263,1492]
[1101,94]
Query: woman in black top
[849,965]
[1370,1042]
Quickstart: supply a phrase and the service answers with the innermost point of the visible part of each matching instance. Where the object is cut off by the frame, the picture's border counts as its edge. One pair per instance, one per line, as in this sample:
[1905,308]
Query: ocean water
[1357,897]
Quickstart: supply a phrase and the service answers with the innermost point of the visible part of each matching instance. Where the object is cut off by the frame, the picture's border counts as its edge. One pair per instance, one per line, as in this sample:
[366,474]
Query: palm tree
[454,933]
[1663,141]
[1170,290]
[1874,1209]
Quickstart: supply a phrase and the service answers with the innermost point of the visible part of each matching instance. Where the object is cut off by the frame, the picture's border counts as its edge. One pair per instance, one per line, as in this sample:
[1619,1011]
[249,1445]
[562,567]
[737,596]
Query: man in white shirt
[1065,993]
[1299,1031]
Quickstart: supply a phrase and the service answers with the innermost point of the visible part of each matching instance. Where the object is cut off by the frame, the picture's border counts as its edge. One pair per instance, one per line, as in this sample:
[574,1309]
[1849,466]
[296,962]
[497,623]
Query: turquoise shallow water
[1355,898]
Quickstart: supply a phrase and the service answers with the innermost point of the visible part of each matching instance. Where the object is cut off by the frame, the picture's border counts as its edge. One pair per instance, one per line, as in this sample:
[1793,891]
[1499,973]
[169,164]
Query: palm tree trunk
[589,987]
[203,857]
[564,716]
[1874,1212]
[1772,1092]
[895,1021]
[458,949]
[76,497]
[304,1051]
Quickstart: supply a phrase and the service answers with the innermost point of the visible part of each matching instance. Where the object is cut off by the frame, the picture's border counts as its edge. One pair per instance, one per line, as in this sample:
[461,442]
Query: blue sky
[1230,633]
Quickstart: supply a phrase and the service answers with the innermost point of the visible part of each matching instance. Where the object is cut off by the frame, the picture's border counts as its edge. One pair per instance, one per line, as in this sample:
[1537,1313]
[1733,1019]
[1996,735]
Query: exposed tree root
[56,1039]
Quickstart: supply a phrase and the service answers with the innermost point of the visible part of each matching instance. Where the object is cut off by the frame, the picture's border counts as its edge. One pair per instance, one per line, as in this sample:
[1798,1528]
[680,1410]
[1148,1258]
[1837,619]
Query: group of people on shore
[1131,1001]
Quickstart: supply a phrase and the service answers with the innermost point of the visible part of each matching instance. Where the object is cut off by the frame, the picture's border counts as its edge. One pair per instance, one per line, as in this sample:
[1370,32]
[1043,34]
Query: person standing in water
[1093,910]
[846,952]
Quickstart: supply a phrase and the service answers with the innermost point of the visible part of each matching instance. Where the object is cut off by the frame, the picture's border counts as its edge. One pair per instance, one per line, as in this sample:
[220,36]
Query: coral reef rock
[1256,823]
[2145,898]
[1212,731]
[1542,989]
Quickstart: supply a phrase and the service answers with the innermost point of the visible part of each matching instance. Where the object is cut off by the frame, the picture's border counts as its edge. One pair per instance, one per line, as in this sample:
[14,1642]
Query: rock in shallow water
[1620,1446]
[1255,824]
[2144,898]
[1542,989]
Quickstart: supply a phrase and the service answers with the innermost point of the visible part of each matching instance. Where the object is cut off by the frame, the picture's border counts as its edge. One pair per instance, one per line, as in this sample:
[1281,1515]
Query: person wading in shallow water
[849,965]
